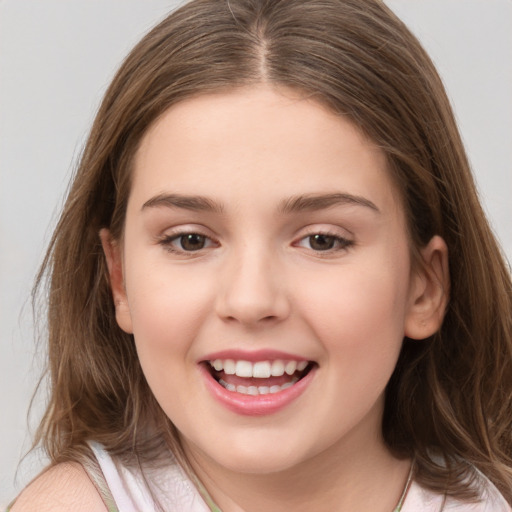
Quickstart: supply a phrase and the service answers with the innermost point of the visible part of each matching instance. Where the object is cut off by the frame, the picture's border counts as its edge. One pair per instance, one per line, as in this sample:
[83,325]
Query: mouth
[258,378]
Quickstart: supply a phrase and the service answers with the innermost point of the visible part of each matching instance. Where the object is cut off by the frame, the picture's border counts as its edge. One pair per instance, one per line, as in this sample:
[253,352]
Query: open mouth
[259,377]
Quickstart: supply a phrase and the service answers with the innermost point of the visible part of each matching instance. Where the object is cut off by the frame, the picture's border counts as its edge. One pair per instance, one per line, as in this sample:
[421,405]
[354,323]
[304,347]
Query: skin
[61,488]
[260,282]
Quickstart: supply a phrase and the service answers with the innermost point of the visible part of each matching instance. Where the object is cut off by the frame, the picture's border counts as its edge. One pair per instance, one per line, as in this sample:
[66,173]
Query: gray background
[56,59]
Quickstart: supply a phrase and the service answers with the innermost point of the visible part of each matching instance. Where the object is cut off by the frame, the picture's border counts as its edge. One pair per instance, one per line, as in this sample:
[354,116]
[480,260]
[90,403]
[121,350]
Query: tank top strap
[123,488]
[131,488]
[97,477]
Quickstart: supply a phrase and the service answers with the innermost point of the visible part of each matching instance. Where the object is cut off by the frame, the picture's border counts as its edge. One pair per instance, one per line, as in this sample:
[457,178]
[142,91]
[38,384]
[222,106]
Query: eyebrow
[314,202]
[306,202]
[194,203]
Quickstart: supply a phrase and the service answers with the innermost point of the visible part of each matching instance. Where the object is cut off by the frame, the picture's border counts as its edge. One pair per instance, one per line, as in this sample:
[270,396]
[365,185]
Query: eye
[187,242]
[324,242]
[191,242]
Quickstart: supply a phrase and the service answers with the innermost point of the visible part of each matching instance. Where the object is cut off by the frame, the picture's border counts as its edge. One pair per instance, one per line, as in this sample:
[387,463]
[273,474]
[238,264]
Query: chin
[250,457]
[261,464]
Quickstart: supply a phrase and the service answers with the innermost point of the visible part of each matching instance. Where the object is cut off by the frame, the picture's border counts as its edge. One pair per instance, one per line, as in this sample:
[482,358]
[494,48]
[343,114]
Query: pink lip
[252,356]
[259,405]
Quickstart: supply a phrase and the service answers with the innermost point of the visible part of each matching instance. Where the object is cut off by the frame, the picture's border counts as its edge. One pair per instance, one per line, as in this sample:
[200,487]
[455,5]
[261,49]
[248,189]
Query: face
[265,274]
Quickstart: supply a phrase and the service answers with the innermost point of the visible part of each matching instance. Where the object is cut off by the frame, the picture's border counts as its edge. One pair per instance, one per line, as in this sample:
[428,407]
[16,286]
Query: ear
[429,292]
[113,256]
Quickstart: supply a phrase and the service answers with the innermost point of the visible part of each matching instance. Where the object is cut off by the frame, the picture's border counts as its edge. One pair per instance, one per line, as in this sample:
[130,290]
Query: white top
[424,500]
[132,492]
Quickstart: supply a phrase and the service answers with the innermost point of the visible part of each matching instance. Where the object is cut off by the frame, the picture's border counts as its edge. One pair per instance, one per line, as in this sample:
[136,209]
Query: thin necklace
[398,508]
[214,508]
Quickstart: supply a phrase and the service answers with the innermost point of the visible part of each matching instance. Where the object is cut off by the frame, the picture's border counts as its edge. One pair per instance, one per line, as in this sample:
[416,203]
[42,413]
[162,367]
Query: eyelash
[340,243]
[167,242]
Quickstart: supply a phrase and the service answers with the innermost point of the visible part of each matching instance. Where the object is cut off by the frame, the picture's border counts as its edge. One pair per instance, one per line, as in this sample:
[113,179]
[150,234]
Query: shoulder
[61,488]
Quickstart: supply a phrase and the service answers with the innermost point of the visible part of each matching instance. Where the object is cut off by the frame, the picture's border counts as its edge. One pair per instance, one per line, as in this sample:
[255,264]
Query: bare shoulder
[63,487]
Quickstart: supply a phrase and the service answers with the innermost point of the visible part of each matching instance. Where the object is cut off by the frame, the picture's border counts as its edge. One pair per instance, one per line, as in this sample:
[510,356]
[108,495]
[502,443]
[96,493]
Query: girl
[272,286]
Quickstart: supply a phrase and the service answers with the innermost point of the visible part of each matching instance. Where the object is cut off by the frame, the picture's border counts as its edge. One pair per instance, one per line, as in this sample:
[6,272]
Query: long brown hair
[451,395]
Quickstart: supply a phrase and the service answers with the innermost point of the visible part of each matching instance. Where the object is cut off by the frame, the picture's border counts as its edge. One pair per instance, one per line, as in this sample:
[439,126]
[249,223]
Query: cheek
[358,309]
[165,324]
[165,297]
[166,310]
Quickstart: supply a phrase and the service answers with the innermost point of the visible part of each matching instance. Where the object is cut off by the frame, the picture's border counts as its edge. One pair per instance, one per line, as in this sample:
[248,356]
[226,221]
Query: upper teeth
[259,369]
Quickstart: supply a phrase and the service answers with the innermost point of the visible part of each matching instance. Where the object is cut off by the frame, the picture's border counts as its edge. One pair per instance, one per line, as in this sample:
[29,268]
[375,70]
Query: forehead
[235,144]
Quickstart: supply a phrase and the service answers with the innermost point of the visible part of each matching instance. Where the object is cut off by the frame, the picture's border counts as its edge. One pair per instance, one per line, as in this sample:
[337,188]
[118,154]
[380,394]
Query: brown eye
[191,242]
[187,243]
[322,242]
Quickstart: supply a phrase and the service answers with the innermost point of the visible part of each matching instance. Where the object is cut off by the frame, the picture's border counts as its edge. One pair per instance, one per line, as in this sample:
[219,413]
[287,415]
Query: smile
[257,387]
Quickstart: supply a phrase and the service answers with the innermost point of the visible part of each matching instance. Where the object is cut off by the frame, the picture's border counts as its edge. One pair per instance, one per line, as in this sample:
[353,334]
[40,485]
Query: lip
[255,405]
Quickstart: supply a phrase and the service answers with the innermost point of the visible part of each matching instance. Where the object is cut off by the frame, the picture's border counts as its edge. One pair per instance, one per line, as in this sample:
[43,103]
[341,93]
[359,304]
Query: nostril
[251,317]
[269,318]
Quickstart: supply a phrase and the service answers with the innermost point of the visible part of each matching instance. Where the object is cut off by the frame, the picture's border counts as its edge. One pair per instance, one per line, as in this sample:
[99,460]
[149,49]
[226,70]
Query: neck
[343,478]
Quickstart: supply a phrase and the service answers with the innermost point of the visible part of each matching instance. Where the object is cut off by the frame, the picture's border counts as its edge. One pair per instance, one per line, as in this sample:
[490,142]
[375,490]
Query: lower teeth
[256,390]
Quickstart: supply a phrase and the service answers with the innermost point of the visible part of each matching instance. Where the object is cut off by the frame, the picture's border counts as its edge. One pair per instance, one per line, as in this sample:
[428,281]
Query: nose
[252,290]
